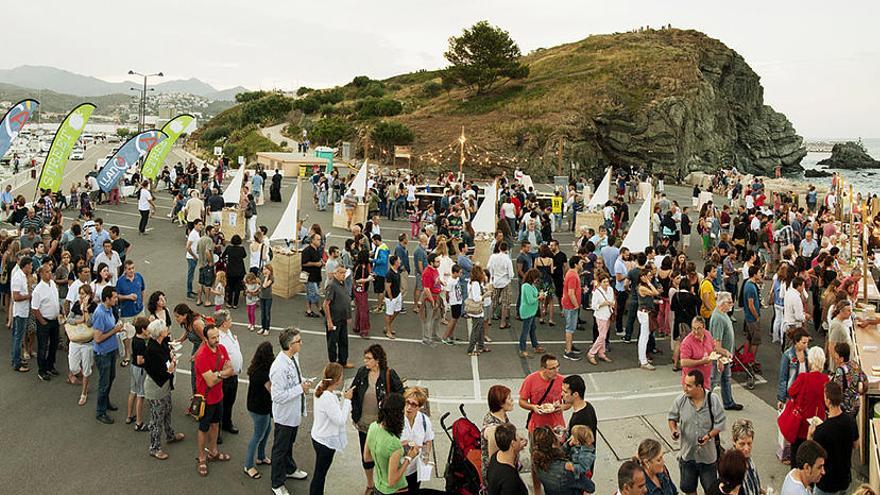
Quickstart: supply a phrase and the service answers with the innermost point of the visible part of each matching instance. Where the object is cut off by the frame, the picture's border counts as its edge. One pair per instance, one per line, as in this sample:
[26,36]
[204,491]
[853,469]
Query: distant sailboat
[232,194]
[602,194]
[639,235]
[286,228]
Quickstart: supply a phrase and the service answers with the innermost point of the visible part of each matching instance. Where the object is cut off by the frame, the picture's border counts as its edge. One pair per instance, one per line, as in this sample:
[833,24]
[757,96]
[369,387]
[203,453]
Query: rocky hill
[671,100]
[849,155]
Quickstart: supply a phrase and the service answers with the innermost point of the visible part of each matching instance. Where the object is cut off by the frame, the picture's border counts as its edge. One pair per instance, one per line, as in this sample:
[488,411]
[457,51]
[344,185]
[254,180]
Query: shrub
[307,105]
[249,96]
[389,133]
[330,131]
[432,89]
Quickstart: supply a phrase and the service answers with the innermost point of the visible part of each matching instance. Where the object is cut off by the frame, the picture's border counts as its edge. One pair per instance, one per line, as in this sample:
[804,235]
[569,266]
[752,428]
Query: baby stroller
[463,466]
[744,362]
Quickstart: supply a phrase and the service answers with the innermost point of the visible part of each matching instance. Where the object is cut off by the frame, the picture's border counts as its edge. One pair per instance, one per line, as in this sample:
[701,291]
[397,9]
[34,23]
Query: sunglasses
[413,403]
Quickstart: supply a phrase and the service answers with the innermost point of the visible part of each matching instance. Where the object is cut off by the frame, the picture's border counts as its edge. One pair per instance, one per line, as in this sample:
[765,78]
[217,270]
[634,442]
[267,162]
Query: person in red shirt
[433,305]
[571,303]
[696,348]
[543,389]
[212,365]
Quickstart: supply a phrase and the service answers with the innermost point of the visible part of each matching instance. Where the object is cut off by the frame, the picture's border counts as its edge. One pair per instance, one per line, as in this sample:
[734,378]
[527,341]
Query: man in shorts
[212,365]
[751,302]
[393,295]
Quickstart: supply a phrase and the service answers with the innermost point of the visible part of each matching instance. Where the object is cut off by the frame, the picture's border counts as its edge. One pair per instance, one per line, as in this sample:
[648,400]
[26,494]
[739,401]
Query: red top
[572,281]
[431,280]
[532,389]
[808,394]
[691,348]
[207,360]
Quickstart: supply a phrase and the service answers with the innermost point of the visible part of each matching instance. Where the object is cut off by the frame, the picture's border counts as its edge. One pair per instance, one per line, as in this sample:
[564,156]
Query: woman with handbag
[372,383]
[159,364]
[79,351]
[475,308]
[806,399]
[794,361]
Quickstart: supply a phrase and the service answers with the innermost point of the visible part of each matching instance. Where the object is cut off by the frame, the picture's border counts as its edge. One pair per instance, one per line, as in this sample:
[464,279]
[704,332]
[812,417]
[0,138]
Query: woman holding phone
[328,428]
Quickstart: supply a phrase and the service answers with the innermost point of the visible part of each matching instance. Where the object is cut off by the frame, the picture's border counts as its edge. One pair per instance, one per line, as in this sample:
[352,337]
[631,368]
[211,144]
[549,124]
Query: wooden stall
[482,251]
[340,220]
[589,219]
[287,267]
[232,222]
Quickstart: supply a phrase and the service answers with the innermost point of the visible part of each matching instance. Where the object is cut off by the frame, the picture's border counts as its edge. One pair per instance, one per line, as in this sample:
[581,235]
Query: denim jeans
[259,439]
[528,328]
[571,319]
[632,308]
[47,345]
[106,364]
[693,471]
[726,390]
[19,326]
[265,313]
[190,271]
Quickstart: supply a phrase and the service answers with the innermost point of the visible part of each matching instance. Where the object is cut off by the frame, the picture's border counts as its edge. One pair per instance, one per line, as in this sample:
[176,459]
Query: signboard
[218,150]
[557,204]
[240,160]
[304,170]
[402,152]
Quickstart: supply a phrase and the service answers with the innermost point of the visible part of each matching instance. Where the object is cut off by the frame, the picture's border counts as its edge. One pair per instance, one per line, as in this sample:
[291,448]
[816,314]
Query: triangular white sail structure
[486,218]
[232,194]
[639,236]
[360,182]
[526,181]
[601,196]
[286,228]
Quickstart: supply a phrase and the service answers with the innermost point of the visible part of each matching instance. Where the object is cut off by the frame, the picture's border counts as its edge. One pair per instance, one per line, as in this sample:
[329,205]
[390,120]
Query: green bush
[247,142]
[432,89]
[302,90]
[360,81]
[330,131]
[389,133]
[250,96]
[327,109]
[375,88]
[266,110]
[378,107]
[307,105]
[332,96]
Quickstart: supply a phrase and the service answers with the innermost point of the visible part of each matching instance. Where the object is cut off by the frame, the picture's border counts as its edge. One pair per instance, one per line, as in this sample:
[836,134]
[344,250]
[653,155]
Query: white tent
[602,192]
[639,235]
[232,194]
[286,228]
[486,217]
[360,181]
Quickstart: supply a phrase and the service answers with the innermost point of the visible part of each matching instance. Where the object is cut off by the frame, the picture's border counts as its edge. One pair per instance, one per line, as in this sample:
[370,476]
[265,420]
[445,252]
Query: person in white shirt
[329,424]
[501,273]
[194,209]
[21,309]
[417,431]
[110,258]
[288,408]
[810,461]
[603,307]
[146,206]
[45,306]
[793,306]
[192,257]
[223,320]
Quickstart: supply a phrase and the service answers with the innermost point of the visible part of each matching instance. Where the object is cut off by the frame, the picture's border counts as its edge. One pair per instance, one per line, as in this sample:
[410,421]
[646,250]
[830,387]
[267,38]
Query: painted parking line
[121,226]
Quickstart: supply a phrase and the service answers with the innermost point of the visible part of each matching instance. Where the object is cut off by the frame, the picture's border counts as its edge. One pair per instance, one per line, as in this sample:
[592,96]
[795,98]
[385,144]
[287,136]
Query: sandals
[253,473]
[539,350]
[203,467]
[487,339]
[140,427]
[265,461]
[129,420]
[82,399]
[218,457]
[389,335]
[72,380]
[124,363]
[177,438]
[22,369]
[163,456]
[525,355]
[552,324]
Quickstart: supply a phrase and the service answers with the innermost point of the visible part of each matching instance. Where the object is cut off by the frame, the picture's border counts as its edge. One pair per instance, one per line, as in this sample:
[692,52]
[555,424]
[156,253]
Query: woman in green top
[528,308]
[383,447]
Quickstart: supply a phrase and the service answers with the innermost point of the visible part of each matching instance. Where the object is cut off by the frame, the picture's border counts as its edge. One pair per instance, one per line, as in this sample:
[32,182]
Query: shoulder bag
[718,449]
[472,306]
[197,402]
[80,334]
[540,401]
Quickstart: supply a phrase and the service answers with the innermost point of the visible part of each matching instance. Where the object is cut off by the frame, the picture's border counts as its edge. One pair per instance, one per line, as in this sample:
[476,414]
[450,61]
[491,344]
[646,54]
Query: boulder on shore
[850,155]
[810,173]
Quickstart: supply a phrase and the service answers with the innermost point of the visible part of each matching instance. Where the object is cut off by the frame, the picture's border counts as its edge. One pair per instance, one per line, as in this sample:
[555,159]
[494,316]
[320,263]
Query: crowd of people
[755,255]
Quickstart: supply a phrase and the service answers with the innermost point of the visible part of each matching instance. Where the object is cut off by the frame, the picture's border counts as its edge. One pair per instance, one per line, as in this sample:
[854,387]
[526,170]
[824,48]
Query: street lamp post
[143,112]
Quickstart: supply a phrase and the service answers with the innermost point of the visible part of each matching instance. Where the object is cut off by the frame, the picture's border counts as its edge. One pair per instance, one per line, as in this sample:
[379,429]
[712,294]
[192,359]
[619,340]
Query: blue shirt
[619,269]
[403,255]
[7,198]
[609,255]
[97,240]
[750,291]
[104,321]
[125,287]
[420,255]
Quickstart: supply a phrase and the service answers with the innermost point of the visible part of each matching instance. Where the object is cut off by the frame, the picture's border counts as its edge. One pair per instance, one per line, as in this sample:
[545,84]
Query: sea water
[866,181]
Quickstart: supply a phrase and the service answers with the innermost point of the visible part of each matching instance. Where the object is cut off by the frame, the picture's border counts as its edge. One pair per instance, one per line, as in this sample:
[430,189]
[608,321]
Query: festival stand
[232,222]
[287,262]
[340,219]
[592,216]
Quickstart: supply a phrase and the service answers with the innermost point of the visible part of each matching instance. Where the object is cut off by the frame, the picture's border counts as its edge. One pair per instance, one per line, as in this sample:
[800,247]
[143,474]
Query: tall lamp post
[143,115]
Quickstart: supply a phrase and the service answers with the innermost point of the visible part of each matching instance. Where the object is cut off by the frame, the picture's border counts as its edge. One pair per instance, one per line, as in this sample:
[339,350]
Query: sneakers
[281,490]
[648,367]
[107,420]
[448,341]
[44,377]
[571,356]
[299,474]
[576,350]
[734,407]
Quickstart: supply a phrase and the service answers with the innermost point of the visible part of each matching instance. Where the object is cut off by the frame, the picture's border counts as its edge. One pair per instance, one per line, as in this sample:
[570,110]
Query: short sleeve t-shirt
[393,278]
[138,348]
[691,348]
[503,479]
[571,282]
[420,256]
[532,389]
[207,360]
[382,444]
[311,255]
[837,435]
[20,309]
[144,199]
[431,280]
[707,293]
[340,301]
[193,240]
[524,261]
[750,293]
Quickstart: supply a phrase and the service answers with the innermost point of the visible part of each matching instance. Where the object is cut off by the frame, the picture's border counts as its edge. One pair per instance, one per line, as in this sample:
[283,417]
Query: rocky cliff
[849,155]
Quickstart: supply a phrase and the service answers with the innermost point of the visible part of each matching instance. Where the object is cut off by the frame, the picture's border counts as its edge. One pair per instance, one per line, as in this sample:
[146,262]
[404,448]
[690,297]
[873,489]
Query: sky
[819,63]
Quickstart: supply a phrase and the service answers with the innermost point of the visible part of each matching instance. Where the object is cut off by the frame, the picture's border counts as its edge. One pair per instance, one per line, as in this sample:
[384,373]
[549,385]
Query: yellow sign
[304,170]
[557,204]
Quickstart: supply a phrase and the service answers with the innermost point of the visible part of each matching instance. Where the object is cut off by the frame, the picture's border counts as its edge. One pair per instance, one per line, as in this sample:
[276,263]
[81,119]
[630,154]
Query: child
[219,290]
[136,389]
[453,289]
[582,452]
[268,278]
[252,297]
[415,225]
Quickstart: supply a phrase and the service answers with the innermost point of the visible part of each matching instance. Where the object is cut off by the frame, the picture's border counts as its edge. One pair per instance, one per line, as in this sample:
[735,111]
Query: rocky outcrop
[813,173]
[721,121]
[850,155]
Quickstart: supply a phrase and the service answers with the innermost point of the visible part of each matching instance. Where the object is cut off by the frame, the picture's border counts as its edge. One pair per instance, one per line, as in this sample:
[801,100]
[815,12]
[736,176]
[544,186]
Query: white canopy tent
[232,194]
[485,219]
[639,235]
[286,228]
[602,192]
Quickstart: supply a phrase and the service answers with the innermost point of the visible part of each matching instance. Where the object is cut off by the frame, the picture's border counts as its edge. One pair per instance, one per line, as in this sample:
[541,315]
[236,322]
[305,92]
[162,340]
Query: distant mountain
[62,81]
